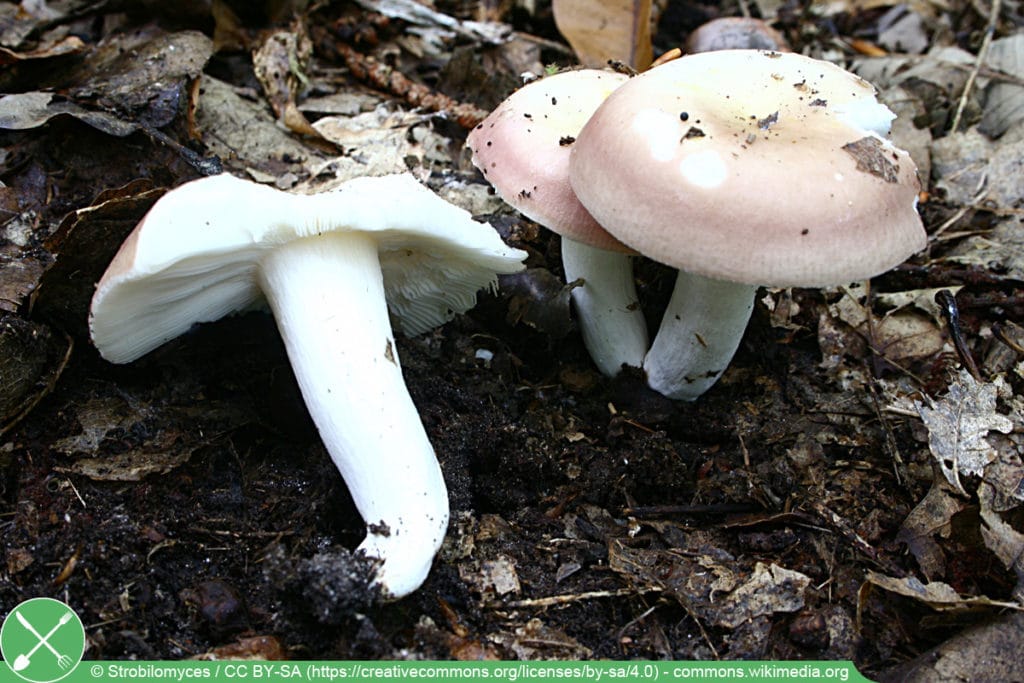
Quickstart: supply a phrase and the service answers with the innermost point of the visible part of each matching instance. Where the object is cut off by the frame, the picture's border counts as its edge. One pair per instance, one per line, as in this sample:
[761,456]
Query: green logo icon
[42,640]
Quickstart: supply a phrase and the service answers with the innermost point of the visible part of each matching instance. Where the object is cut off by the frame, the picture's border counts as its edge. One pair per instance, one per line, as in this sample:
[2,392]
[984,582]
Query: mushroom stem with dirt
[743,168]
[330,266]
[522,149]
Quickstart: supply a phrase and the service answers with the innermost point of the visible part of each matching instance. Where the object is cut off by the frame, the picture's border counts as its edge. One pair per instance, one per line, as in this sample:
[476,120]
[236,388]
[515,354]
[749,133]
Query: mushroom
[730,33]
[330,266]
[744,168]
[522,148]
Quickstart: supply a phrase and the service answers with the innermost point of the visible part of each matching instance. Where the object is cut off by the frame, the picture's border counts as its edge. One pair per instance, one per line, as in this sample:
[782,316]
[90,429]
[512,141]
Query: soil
[183,504]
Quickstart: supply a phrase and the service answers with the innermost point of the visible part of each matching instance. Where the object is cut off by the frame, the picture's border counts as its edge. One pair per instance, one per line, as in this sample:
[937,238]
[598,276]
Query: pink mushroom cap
[522,148]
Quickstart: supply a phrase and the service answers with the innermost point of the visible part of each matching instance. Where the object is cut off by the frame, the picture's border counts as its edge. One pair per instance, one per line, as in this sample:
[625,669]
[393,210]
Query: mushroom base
[327,295]
[699,334]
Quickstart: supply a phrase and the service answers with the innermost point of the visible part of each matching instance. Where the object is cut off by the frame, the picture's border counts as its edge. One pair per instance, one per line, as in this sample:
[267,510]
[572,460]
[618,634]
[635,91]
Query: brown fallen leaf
[261,648]
[936,594]
[536,640]
[1002,538]
[280,62]
[930,518]
[603,30]
[68,45]
[770,589]
[988,652]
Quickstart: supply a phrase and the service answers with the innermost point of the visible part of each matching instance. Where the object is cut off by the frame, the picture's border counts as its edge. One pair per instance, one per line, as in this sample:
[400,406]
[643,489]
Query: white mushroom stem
[327,295]
[607,308]
[701,330]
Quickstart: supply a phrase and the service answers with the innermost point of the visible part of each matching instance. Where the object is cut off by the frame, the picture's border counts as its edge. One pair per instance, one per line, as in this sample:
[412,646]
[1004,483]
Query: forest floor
[850,489]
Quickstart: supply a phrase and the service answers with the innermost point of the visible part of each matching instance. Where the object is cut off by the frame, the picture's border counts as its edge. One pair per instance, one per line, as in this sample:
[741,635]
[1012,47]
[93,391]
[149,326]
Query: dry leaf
[500,574]
[244,135]
[932,516]
[975,171]
[899,335]
[1000,250]
[124,438]
[382,141]
[279,63]
[1004,101]
[535,640]
[1001,538]
[901,29]
[935,594]
[768,590]
[957,427]
[990,651]
[603,30]
[419,14]
[66,45]
[32,358]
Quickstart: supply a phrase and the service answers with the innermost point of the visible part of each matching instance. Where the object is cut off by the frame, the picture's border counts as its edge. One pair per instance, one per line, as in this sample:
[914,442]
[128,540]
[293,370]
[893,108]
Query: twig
[979,194]
[570,598]
[371,71]
[647,511]
[898,465]
[993,19]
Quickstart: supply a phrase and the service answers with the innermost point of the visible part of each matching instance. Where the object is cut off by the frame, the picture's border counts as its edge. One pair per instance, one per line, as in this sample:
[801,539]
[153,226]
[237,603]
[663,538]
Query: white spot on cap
[867,114]
[704,169]
[839,177]
[660,130]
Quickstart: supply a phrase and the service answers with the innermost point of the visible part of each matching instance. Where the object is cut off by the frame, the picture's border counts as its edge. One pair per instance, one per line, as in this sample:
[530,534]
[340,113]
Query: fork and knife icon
[23,660]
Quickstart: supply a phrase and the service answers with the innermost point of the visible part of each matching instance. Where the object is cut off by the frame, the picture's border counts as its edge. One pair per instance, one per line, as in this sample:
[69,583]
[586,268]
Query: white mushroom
[522,148]
[744,168]
[330,266]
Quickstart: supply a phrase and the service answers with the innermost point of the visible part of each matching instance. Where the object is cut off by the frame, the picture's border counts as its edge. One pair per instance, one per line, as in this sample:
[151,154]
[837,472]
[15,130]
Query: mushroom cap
[522,148]
[728,33]
[755,167]
[194,257]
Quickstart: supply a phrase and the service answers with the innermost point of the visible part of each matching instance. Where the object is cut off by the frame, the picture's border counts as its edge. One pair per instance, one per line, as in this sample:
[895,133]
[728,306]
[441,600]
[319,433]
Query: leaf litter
[592,519]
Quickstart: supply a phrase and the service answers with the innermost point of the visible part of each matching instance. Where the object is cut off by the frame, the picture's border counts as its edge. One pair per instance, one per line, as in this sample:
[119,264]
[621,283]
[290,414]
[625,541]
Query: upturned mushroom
[330,266]
[522,149]
[743,168]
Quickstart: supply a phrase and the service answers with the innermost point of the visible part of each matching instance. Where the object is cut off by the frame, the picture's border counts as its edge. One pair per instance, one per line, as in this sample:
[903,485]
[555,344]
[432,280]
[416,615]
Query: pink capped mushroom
[743,168]
[522,149]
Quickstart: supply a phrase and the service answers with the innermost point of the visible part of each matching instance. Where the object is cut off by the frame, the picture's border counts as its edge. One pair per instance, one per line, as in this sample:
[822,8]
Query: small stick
[371,71]
[570,598]
[993,19]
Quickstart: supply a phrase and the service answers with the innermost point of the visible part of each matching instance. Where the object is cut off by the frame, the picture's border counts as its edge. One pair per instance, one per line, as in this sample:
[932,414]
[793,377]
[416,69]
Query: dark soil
[219,522]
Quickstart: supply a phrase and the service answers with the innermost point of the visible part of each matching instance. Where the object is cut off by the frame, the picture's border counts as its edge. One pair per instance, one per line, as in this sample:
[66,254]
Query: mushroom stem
[327,295]
[700,332]
[611,322]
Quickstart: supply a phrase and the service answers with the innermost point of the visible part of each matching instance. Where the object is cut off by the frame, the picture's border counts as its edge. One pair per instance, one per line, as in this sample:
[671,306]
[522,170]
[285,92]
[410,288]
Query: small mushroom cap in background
[522,149]
[729,33]
[194,257]
[755,167]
